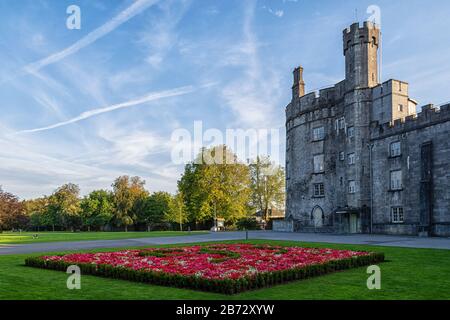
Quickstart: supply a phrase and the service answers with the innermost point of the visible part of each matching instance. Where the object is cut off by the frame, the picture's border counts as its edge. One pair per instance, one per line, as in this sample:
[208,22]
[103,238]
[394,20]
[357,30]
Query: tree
[177,211]
[64,207]
[126,192]
[152,210]
[36,210]
[11,212]
[96,209]
[193,194]
[216,185]
[267,185]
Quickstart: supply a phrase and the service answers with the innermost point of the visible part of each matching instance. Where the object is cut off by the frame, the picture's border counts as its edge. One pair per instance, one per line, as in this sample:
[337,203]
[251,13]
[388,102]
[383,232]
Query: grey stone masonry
[358,157]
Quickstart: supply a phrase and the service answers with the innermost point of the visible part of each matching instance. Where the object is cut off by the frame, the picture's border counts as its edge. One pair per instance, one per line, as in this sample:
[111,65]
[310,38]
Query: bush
[247,224]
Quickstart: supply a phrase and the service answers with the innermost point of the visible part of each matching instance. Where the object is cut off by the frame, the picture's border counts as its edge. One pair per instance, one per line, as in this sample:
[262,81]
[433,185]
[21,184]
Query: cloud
[91,113]
[277,13]
[161,35]
[254,95]
[136,8]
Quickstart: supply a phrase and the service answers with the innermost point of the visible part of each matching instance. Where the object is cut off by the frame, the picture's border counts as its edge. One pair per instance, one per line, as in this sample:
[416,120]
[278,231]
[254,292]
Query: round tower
[361,55]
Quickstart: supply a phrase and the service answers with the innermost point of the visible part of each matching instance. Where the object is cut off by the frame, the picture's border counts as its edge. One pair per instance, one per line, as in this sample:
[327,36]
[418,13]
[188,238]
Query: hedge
[224,286]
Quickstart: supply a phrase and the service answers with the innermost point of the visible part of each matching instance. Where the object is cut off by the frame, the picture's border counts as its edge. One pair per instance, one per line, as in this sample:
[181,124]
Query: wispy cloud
[277,13]
[253,96]
[161,35]
[91,113]
[136,8]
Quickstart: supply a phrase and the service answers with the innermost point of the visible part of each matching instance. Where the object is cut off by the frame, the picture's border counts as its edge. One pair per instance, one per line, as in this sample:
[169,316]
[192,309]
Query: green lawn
[407,274]
[27,237]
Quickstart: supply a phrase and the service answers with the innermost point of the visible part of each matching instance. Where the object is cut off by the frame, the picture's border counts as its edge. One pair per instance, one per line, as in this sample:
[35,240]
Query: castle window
[319,190]
[351,158]
[395,149]
[351,132]
[400,108]
[287,171]
[319,163]
[351,186]
[397,215]
[342,156]
[341,123]
[396,180]
[318,134]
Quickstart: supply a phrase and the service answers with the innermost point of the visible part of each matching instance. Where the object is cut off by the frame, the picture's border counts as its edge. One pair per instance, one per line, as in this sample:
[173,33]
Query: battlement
[312,100]
[315,98]
[428,116]
[391,86]
[357,34]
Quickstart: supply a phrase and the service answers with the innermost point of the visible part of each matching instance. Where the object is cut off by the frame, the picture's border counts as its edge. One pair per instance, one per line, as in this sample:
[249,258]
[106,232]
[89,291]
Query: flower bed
[223,268]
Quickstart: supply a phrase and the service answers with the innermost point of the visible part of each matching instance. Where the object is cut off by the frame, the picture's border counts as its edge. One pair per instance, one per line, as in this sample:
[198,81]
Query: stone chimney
[298,89]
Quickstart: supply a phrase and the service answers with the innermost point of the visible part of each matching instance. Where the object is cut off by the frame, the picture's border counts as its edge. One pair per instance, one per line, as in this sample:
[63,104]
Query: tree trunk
[266,214]
[53,227]
[126,228]
[148,228]
[89,228]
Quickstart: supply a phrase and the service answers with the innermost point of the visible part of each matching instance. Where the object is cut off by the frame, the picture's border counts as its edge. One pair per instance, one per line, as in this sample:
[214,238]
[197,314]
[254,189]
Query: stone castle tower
[361,55]
[342,174]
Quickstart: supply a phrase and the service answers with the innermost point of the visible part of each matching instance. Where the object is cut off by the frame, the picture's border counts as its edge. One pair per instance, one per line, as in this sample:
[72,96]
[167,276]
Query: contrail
[136,8]
[94,112]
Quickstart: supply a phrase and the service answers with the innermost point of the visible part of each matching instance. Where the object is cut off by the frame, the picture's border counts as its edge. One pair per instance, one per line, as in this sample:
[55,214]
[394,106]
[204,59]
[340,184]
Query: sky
[88,105]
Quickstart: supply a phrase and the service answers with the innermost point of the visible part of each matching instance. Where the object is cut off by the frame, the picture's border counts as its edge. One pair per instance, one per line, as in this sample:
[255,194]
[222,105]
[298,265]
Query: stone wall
[430,126]
[372,111]
[283,226]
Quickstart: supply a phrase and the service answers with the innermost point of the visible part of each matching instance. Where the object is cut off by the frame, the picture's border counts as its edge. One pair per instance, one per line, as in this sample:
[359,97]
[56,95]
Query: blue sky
[170,63]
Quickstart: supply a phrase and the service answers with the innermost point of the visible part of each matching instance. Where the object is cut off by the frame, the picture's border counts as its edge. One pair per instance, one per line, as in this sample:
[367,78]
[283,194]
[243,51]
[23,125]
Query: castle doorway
[353,223]
[317,217]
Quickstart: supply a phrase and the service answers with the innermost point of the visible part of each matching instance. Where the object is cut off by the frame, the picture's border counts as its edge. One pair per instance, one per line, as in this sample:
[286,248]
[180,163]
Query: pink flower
[217,261]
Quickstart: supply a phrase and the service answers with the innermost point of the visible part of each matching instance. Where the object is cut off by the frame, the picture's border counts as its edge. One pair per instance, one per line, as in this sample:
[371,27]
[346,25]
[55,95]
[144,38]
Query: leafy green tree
[267,186]
[97,209]
[64,207]
[36,210]
[193,194]
[177,213]
[126,193]
[216,185]
[153,209]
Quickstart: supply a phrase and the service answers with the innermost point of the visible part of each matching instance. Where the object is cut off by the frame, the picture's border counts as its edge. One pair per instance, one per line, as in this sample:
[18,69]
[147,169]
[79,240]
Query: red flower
[218,261]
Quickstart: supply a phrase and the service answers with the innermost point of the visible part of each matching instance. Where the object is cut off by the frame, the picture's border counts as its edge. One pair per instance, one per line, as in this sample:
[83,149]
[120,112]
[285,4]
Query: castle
[359,159]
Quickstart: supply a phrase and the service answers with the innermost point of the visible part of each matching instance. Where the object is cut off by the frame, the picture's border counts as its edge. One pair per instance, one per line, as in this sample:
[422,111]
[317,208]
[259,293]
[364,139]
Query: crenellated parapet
[322,98]
[430,115]
[355,35]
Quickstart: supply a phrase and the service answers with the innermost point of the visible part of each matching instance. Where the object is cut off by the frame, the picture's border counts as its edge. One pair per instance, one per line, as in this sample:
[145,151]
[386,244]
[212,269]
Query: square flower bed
[222,268]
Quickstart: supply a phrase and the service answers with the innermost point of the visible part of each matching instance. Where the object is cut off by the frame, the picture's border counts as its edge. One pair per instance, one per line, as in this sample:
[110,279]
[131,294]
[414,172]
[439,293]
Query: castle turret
[298,89]
[361,55]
